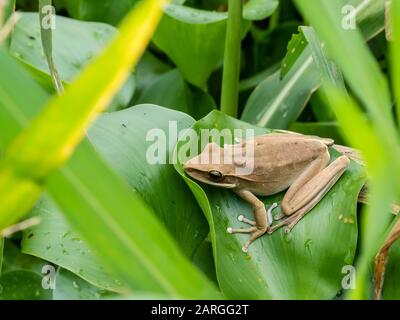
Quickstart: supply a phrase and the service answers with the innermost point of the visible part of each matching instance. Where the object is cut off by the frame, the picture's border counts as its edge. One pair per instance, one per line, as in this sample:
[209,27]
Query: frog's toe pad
[229,230]
[242,218]
[245,249]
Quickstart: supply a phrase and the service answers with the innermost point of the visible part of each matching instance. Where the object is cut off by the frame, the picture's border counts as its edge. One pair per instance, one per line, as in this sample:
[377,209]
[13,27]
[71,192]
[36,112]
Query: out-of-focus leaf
[71,287]
[320,129]
[22,278]
[276,103]
[179,96]
[204,260]
[46,33]
[295,48]
[22,285]
[148,70]
[75,44]
[259,9]
[109,11]
[201,35]
[307,263]
[269,46]
[55,241]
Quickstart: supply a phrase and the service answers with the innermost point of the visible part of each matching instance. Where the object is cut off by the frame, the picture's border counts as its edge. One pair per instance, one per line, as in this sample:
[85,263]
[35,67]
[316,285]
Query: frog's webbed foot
[254,232]
[289,222]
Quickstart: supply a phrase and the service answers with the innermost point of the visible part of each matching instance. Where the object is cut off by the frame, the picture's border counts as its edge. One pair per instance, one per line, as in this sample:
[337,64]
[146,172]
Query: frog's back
[279,159]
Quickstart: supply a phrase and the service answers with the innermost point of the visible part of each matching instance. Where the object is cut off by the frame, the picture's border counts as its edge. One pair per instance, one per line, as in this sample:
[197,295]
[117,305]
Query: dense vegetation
[97,220]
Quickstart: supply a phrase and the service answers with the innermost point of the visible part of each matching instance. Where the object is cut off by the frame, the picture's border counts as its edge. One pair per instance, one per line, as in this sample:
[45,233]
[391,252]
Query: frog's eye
[215,175]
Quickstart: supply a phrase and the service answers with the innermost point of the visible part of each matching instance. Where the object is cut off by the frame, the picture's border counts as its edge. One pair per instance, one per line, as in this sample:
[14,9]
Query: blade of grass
[395,54]
[231,72]
[47,41]
[62,124]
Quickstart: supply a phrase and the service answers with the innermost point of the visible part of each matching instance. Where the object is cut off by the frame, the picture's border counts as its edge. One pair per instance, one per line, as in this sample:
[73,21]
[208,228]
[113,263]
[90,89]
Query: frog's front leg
[309,189]
[258,227]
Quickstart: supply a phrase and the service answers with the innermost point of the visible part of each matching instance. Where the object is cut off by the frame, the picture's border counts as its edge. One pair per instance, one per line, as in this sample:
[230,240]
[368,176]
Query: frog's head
[213,166]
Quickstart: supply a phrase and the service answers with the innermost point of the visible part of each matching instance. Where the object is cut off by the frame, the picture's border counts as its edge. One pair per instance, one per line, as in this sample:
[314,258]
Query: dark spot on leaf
[30,235]
[124,125]
[31,37]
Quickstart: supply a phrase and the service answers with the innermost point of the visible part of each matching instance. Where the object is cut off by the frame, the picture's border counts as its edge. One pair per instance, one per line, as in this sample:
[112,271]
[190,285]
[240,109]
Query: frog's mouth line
[199,176]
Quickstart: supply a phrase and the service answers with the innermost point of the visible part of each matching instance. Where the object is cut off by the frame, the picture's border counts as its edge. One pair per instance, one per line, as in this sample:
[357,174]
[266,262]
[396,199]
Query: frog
[299,164]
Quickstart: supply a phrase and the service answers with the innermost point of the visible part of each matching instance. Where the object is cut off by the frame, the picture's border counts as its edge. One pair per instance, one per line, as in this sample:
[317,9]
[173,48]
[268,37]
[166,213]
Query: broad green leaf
[75,44]
[276,103]
[109,11]
[201,35]
[55,241]
[71,287]
[259,9]
[180,96]
[22,276]
[307,263]
[148,70]
[204,260]
[126,140]
[22,285]
[22,176]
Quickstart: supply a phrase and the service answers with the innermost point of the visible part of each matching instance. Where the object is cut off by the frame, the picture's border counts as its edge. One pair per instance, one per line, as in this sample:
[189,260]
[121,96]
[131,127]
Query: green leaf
[22,278]
[125,140]
[395,52]
[71,287]
[180,96]
[276,103]
[47,40]
[296,47]
[148,70]
[201,35]
[109,11]
[307,263]
[84,39]
[55,241]
[391,289]
[259,9]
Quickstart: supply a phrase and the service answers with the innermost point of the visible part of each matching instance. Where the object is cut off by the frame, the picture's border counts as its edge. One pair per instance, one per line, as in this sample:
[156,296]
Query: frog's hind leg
[306,194]
[258,227]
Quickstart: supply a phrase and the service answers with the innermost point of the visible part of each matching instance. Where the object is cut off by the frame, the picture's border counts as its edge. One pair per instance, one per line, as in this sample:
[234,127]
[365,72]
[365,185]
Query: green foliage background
[114,226]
